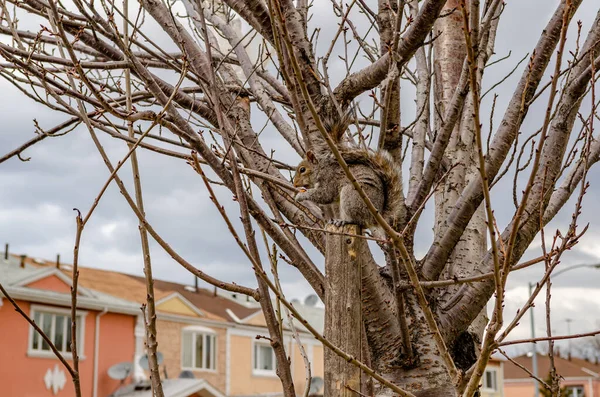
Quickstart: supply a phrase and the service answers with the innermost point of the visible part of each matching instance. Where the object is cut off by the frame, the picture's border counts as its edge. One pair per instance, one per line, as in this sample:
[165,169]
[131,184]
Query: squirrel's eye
[302,170]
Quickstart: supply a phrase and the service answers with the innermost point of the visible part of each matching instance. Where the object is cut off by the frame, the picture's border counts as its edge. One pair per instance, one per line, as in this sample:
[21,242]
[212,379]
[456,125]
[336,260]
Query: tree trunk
[343,319]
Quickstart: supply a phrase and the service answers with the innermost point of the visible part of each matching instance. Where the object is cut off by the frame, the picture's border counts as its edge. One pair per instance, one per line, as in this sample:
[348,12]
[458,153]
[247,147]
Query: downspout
[227,361]
[97,351]
[139,335]
[590,383]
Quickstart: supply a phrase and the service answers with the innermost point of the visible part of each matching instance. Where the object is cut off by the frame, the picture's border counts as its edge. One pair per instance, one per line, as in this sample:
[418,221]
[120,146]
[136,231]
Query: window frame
[54,311]
[571,387]
[263,372]
[484,379]
[206,333]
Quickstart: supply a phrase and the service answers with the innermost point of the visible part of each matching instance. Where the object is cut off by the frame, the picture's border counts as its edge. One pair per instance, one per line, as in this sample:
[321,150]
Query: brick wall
[169,344]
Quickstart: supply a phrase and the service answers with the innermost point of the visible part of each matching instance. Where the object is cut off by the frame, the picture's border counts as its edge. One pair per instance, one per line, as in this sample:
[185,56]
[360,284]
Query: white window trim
[263,372]
[199,330]
[56,310]
[487,389]
[571,387]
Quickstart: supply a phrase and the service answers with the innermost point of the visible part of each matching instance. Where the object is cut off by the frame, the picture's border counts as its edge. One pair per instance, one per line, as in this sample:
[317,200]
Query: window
[574,391]
[264,359]
[199,347]
[56,324]
[490,380]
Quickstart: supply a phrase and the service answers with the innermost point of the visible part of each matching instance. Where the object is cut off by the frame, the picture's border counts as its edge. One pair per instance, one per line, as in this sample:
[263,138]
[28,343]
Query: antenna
[144,360]
[186,375]
[311,300]
[316,384]
[120,371]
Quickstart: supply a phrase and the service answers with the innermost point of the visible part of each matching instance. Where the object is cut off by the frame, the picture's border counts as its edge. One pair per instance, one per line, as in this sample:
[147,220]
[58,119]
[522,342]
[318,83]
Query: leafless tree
[420,328]
[588,348]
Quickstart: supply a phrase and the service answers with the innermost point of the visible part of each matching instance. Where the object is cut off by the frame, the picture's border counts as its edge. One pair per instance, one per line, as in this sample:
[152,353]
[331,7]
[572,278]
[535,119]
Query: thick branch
[374,74]
[472,196]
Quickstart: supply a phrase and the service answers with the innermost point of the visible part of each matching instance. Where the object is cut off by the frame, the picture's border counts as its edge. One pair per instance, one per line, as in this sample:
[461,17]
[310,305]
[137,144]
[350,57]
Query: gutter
[42,296]
[97,351]
[224,324]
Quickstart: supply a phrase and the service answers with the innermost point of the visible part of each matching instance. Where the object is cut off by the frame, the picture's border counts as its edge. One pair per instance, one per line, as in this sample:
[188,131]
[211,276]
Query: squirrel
[323,181]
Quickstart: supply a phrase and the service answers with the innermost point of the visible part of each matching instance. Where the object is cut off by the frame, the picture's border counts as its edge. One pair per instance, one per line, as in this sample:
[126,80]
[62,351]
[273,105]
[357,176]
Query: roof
[313,314]
[133,289]
[204,299]
[172,388]
[222,306]
[574,368]
[592,366]
[16,279]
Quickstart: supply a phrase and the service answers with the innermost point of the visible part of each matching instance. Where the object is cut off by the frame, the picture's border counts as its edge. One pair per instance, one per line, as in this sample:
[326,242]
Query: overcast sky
[37,197]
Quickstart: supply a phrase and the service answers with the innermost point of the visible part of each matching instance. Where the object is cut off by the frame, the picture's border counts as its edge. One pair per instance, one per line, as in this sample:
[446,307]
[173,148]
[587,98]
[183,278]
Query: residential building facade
[579,378]
[492,382]
[104,333]
[208,341]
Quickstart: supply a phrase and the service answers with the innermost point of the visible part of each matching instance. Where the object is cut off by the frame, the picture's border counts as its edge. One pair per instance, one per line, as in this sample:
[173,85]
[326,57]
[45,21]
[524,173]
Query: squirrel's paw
[337,222]
[301,196]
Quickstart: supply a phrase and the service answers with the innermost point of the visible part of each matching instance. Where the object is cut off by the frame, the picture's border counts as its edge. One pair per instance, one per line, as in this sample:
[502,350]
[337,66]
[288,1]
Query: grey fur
[326,183]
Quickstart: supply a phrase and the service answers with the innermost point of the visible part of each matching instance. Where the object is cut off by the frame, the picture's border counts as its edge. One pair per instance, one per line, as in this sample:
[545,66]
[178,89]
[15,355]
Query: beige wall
[169,344]
[318,361]
[257,319]
[244,381]
[299,367]
[518,389]
[499,368]
[314,353]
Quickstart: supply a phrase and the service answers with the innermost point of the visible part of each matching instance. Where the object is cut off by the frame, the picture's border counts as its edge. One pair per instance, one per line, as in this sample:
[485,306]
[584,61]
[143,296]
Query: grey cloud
[36,197]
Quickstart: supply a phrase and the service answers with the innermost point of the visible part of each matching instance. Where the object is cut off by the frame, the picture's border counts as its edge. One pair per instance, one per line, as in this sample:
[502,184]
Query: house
[492,382]
[209,340]
[105,332]
[579,377]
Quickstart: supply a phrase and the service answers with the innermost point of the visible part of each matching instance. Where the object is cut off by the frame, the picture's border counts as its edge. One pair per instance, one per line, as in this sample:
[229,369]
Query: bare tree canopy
[213,83]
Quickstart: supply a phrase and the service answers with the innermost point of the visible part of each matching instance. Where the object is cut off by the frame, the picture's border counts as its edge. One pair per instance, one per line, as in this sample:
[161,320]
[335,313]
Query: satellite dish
[120,371]
[124,390]
[295,301]
[144,360]
[316,384]
[311,300]
[186,375]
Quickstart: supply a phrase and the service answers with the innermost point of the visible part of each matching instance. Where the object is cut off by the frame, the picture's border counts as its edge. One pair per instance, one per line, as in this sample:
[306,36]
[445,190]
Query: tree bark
[343,319]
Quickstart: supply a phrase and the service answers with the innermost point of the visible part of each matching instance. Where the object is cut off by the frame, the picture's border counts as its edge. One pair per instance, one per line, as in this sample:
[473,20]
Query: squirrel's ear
[310,156]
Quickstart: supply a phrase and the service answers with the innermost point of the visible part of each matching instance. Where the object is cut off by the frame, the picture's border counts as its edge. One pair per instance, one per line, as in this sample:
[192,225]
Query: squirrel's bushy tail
[392,181]
[385,167]
[381,162]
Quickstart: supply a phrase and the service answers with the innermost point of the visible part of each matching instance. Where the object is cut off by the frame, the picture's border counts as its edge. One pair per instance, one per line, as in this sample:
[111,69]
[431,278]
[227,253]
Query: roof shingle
[564,367]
